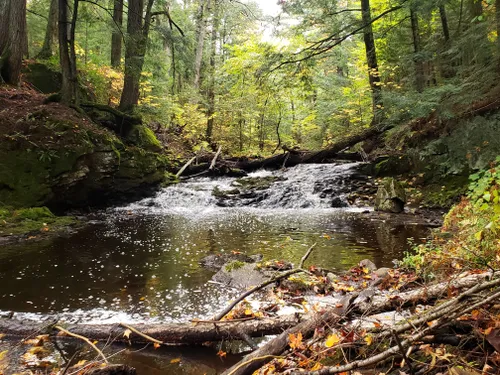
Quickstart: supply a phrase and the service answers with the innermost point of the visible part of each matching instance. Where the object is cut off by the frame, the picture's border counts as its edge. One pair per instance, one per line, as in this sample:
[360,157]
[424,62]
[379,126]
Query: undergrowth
[470,236]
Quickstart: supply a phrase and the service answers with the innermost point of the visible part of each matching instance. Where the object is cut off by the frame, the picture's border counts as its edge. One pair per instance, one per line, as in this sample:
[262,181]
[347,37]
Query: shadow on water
[141,264]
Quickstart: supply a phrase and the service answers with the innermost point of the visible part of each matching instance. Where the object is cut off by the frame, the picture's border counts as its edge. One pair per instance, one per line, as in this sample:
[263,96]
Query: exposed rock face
[52,156]
[391,197]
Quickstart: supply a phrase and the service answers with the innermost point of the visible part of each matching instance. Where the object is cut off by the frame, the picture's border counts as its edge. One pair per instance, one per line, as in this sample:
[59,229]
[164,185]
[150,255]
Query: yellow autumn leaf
[3,354]
[175,360]
[316,367]
[156,345]
[127,333]
[248,312]
[332,340]
[81,363]
[368,340]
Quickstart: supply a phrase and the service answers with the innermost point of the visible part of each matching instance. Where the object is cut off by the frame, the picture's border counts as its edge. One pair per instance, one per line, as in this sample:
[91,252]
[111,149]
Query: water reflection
[147,265]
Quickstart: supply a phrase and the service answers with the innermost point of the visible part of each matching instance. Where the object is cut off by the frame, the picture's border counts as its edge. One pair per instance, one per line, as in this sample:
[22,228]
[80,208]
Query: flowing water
[141,262]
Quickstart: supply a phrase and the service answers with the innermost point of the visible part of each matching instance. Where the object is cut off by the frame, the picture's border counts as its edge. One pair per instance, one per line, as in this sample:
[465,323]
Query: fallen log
[278,345]
[173,333]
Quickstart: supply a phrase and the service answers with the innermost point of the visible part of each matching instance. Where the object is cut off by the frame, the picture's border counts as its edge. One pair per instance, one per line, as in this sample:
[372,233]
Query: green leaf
[487,197]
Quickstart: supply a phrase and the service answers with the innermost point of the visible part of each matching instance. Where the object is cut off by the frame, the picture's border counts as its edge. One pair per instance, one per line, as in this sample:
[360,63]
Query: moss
[32,220]
[169,179]
[234,265]
[35,213]
[218,193]
[446,194]
[143,137]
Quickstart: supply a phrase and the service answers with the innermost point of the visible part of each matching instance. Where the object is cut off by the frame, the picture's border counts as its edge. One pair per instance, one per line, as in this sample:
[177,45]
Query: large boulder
[391,197]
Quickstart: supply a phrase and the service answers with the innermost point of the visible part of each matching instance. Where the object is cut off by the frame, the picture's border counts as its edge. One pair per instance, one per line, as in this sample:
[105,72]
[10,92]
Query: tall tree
[211,86]
[419,67]
[444,22]
[201,29]
[4,23]
[50,32]
[67,55]
[135,50]
[371,58]
[497,19]
[13,44]
[116,37]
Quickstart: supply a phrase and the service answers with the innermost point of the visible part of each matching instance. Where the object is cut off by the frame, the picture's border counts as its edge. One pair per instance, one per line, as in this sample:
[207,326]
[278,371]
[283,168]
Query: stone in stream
[216,261]
[391,197]
[241,275]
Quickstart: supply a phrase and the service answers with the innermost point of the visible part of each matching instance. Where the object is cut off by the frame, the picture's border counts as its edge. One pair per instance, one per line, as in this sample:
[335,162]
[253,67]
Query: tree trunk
[50,32]
[201,30]
[116,37]
[67,57]
[4,24]
[419,68]
[444,22]
[497,17]
[14,47]
[170,333]
[371,58]
[133,59]
[211,89]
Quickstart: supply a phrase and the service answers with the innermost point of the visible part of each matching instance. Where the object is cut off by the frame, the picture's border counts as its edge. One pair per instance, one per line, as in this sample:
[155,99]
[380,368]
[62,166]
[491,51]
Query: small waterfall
[303,186]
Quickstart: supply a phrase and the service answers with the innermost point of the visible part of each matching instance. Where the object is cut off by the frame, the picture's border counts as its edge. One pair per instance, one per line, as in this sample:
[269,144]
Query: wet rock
[331,276]
[367,263]
[391,197]
[257,183]
[217,261]
[382,272]
[240,275]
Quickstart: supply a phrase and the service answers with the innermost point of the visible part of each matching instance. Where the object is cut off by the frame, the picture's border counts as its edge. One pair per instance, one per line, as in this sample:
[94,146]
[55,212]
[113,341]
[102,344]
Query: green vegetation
[234,265]
[470,237]
[34,221]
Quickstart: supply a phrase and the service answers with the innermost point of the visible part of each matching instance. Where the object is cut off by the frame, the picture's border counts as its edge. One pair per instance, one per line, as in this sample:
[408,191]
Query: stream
[141,262]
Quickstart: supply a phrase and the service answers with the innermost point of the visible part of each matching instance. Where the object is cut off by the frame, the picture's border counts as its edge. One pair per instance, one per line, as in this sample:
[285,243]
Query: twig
[403,352]
[306,255]
[84,339]
[143,335]
[252,360]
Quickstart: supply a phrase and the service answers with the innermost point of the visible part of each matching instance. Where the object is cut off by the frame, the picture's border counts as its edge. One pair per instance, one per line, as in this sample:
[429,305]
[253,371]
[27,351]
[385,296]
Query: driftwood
[185,166]
[174,333]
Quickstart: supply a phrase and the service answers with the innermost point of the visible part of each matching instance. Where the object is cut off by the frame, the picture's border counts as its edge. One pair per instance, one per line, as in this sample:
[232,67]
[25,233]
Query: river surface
[140,263]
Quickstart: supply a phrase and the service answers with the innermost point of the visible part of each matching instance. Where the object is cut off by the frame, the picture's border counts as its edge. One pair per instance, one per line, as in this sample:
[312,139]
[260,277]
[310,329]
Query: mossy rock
[391,196]
[392,166]
[257,183]
[143,137]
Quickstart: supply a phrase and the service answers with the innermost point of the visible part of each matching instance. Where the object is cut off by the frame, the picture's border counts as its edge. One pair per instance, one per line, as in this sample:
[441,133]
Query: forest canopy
[222,72]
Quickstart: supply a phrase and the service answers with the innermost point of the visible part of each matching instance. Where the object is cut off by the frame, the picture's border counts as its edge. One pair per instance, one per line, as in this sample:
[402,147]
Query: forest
[249,187]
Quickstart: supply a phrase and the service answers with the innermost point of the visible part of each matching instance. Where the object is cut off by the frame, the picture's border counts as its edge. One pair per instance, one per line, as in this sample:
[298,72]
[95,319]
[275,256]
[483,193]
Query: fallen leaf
[295,340]
[127,333]
[156,345]
[221,354]
[332,340]
[175,360]
[368,339]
